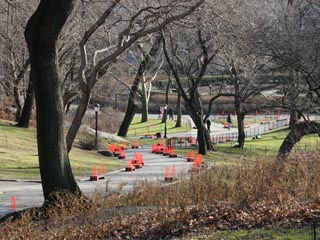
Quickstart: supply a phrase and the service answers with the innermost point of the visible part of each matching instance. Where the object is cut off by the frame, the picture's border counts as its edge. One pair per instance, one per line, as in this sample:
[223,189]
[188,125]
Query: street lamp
[96,110]
[165,120]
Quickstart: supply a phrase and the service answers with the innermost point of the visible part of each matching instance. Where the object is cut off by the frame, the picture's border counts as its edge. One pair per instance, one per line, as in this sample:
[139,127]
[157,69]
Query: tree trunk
[16,91]
[144,103]
[178,111]
[123,130]
[203,135]
[16,95]
[25,117]
[238,108]
[241,133]
[76,122]
[297,132]
[131,110]
[294,119]
[42,31]
[164,116]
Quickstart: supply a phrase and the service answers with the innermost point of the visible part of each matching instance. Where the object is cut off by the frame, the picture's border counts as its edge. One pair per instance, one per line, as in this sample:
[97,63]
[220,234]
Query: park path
[29,193]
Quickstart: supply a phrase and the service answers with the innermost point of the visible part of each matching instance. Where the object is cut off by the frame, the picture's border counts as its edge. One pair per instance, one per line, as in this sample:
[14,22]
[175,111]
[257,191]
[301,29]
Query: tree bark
[131,111]
[203,135]
[100,68]
[238,108]
[144,103]
[178,111]
[25,117]
[297,132]
[164,116]
[16,91]
[192,98]
[42,31]
[124,127]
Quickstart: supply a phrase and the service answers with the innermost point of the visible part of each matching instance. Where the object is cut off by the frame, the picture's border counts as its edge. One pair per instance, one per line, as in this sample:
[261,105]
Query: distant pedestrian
[170,112]
[229,121]
[160,113]
[208,122]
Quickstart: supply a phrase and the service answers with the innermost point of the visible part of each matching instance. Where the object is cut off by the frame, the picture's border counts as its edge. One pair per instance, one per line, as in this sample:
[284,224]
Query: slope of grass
[153,126]
[269,144]
[19,155]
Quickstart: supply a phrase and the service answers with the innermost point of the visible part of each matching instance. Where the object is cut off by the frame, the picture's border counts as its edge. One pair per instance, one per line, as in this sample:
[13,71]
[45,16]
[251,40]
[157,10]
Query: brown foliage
[263,194]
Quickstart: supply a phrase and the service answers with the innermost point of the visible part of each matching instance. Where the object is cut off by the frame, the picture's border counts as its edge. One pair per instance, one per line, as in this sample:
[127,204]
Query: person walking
[160,113]
[229,121]
[170,111]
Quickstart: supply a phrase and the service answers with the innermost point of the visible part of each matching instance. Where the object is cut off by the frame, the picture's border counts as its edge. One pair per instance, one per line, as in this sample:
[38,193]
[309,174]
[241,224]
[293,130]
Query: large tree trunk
[76,122]
[294,119]
[164,116]
[144,103]
[25,117]
[131,110]
[238,108]
[42,31]
[16,89]
[16,95]
[178,111]
[203,135]
[297,132]
[241,133]
[131,107]
[123,130]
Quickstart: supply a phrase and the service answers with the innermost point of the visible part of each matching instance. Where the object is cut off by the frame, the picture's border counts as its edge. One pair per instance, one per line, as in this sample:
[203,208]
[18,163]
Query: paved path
[29,194]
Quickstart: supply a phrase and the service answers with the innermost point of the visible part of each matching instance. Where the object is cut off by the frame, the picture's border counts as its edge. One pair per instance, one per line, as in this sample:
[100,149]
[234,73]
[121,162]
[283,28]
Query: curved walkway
[29,194]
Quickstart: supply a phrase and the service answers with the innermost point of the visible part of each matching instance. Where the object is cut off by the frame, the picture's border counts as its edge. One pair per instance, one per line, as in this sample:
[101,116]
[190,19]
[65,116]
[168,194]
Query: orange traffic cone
[94,176]
[13,203]
[167,177]
[172,153]
[103,171]
[130,167]
[173,172]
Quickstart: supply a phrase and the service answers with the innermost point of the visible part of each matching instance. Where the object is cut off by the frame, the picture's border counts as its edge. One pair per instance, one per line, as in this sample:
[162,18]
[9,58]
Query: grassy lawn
[152,127]
[269,145]
[19,156]
[274,234]
[19,159]
[265,148]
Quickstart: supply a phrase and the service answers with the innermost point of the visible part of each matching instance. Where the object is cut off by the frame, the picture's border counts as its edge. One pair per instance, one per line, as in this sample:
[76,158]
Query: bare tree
[14,58]
[301,22]
[139,23]
[139,79]
[188,52]
[42,31]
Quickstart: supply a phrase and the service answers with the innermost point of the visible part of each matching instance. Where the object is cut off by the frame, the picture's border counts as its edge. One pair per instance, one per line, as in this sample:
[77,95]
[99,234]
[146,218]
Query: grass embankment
[244,189]
[19,155]
[154,126]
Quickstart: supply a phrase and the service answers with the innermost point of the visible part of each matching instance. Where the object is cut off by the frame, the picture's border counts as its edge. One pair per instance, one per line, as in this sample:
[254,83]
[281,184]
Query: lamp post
[165,120]
[96,110]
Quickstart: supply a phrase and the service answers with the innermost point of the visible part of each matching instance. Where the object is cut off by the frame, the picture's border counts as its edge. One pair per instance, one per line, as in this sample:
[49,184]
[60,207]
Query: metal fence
[252,131]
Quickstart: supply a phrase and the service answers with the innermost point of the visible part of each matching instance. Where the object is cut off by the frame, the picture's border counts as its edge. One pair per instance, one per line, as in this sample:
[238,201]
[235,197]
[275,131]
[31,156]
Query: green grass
[19,159]
[272,234]
[152,127]
[19,156]
[265,148]
[269,145]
